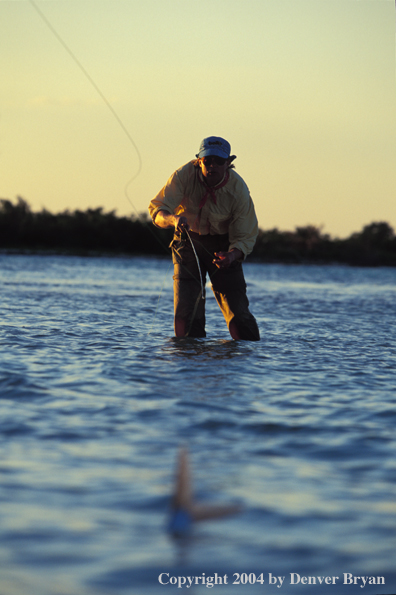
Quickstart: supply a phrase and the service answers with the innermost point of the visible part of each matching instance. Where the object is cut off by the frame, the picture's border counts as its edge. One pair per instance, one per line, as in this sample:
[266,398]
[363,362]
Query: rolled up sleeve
[168,198]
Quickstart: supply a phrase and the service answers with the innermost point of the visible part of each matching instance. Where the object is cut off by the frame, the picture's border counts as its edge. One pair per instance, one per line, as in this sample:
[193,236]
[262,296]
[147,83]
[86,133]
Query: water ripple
[96,397]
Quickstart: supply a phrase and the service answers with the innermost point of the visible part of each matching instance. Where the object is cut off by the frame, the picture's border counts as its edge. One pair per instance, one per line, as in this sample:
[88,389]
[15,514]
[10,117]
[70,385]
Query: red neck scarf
[210,190]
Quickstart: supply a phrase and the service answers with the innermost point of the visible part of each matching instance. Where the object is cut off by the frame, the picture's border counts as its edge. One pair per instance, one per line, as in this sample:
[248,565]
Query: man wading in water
[209,205]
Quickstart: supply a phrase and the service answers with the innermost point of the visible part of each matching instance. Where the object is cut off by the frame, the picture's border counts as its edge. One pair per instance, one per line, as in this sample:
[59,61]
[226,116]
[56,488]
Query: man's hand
[166,220]
[180,223]
[224,259]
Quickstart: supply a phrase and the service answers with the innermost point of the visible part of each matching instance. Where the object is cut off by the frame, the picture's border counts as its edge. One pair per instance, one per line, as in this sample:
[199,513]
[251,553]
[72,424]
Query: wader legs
[240,321]
[229,288]
[189,306]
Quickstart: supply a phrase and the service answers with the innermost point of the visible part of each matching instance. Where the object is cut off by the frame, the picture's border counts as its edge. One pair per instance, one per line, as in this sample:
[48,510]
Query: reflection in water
[213,349]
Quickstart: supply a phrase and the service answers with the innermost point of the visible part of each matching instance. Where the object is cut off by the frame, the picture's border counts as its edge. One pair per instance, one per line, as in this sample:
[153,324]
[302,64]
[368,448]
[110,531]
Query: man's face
[213,169]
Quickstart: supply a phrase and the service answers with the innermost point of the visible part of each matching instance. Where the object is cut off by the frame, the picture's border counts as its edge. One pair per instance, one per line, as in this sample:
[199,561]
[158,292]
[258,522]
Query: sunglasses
[214,159]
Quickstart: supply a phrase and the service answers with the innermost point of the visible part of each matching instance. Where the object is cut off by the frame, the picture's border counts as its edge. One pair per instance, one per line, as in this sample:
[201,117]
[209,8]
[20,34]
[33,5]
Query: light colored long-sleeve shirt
[233,212]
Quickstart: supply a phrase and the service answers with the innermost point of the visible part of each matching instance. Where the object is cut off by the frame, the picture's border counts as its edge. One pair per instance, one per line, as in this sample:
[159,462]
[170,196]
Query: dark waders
[229,288]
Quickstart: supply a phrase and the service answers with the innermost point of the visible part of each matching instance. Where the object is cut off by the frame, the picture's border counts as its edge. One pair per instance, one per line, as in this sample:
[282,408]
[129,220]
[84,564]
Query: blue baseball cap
[214,145]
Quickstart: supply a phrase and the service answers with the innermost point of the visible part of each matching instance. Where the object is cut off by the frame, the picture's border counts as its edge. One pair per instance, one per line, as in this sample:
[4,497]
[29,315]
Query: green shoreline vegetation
[93,232]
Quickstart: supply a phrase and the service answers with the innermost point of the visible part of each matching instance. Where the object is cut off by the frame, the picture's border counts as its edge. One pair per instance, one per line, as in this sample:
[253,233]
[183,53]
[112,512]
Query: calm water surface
[96,398]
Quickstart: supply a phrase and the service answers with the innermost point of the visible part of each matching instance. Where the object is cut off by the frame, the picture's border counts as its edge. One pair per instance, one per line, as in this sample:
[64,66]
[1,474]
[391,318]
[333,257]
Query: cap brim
[214,152]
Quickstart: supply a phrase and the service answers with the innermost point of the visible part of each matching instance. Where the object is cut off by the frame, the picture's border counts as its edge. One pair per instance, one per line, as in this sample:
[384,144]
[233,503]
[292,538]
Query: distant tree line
[94,231]
[375,245]
[81,232]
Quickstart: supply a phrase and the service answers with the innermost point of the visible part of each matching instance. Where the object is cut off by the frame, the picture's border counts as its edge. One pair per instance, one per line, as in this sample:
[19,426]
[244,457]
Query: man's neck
[213,183]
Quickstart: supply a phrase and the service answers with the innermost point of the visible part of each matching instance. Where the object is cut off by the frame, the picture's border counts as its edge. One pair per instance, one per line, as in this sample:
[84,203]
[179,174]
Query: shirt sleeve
[243,229]
[169,197]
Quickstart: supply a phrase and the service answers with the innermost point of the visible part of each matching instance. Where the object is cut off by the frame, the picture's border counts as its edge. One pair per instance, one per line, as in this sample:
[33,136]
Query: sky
[304,90]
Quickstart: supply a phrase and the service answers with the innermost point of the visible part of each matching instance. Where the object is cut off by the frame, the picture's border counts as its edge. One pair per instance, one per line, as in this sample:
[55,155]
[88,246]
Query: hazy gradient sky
[304,90]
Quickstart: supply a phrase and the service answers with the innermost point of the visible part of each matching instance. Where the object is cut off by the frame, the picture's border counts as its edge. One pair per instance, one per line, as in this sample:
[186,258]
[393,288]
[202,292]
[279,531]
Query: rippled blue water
[96,397]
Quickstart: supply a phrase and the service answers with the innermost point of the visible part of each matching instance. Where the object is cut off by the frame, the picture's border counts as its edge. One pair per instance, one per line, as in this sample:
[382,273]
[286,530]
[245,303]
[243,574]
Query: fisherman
[210,207]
